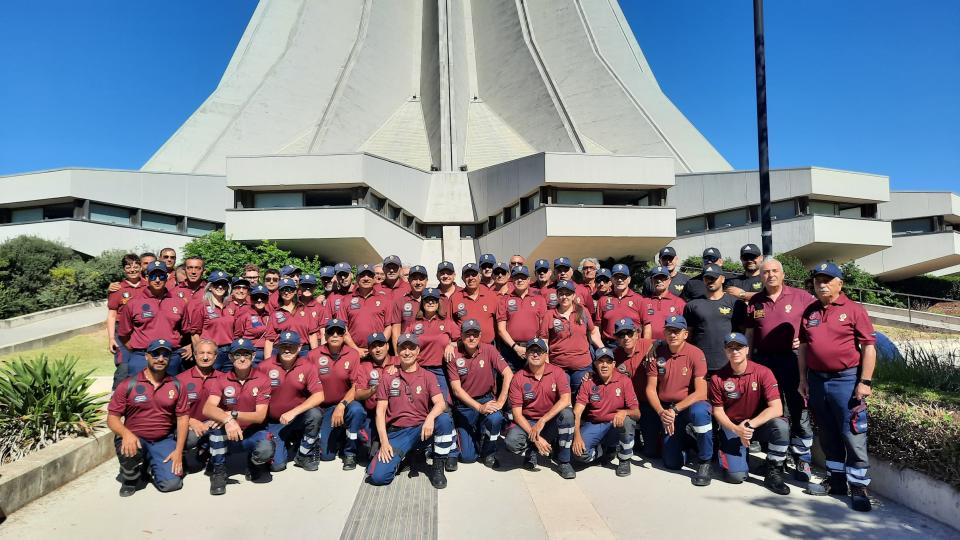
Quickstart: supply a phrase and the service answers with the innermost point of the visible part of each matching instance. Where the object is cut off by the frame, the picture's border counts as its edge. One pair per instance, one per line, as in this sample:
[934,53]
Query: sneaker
[491,462]
[623,468]
[530,462]
[702,478]
[774,480]
[450,464]
[858,498]
[802,472]
[218,480]
[307,463]
[259,474]
[438,478]
[566,471]
[755,447]
[349,462]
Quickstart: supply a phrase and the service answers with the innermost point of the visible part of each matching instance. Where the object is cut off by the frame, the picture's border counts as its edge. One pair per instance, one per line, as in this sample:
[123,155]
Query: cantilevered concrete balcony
[914,255]
[91,238]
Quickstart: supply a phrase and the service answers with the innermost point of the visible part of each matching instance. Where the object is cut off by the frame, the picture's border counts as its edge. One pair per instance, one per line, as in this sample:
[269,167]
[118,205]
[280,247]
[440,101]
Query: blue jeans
[360,429]
[698,415]
[137,362]
[733,455]
[223,362]
[795,409]
[831,401]
[576,379]
[151,454]
[476,432]
[332,439]
[404,440]
[303,431]
[257,442]
[651,429]
[559,430]
[597,437]
[257,356]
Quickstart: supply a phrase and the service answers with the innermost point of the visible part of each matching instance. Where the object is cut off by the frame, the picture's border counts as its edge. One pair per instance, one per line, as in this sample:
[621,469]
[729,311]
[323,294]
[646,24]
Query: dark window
[328,197]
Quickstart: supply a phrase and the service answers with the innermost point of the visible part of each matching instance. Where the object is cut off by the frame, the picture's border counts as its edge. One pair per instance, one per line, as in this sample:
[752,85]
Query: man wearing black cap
[447,280]
[695,286]
[713,317]
[678,280]
[487,262]
[749,282]
[392,284]
[406,306]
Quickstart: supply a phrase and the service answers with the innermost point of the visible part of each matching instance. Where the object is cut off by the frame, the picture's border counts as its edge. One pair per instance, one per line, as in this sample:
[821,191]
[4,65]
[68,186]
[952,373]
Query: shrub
[922,368]
[42,402]
[222,253]
[938,287]
[856,278]
[25,263]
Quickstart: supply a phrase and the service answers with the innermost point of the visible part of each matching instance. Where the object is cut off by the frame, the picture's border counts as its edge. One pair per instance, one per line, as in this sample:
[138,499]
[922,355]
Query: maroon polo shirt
[523,315]
[209,322]
[289,388]
[315,310]
[776,323]
[187,292]
[399,288]
[602,400]
[476,372]
[365,314]
[549,294]
[567,339]
[536,397]
[635,366]
[655,311]
[409,396]
[332,303]
[835,333]
[434,335]
[368,375]
[298,320]
[149,317]
[405,308]
[483,308]
[335,371]
[231,307]
[611,309]
[675,373]
[241,396]
[743,396]
[274,300]
[196,388]
[127,291]
[150,413]
[253,325]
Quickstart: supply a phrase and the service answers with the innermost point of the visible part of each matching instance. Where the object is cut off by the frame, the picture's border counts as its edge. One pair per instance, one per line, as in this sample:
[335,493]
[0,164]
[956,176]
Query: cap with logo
[240,282]
[751,250]
[341,268]
[624,325]
[521,270]
[487,258]
[470,267]
[562,261]
[445,265]
[470,324]
[392,259]
[537,342]
[287,283]
[336,323]
[157,266]
[159,344]
[828,269]
[502,267]
[431,292]
[327,272]
[308,279]
[289,270]
[620,269]
[711,254]
[418,270]
[712,270]
[218,276]
[604,273]
[668,253]
[567,285]
[659,271]
[735,337]
[541,264]
[365,268]
[675,321]
[289,338]
[259,290]
[408,338]
[603,352]
[241,344]
[376,337]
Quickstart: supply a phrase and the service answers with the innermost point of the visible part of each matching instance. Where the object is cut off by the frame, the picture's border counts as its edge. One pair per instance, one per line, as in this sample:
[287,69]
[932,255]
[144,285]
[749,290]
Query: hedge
[222,253]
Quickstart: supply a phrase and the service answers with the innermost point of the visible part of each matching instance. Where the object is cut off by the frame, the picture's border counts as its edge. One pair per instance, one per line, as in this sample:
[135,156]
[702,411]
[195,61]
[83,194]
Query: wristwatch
[344,403]
[674,409]
[867,382]
[747,424]
[234,414]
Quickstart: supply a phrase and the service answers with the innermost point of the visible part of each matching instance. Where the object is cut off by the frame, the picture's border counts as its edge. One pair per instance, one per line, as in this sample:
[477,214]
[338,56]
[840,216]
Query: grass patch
[897,333]
[90,349]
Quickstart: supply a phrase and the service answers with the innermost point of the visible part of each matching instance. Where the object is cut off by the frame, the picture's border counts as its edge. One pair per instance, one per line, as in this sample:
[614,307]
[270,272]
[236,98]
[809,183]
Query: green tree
[862,287]
[25,263]
[220,252]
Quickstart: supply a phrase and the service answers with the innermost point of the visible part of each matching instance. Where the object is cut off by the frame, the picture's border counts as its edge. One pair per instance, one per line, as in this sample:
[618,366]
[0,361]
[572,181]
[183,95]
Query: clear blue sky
[870,86]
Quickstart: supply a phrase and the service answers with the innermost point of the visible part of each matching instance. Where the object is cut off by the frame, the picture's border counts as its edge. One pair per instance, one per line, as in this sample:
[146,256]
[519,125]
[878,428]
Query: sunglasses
[271,279]
[625,334]
[161,354]
[335,332]
[157,276]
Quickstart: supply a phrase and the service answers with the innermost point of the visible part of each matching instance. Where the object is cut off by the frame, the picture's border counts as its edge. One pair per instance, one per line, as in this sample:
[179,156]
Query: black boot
[259,474]
[774,479]
[702,478]
[438,476]
[349,462]
[218,480]
[858,498]
[450,464]
[491,461]
[530,462]
[623,467]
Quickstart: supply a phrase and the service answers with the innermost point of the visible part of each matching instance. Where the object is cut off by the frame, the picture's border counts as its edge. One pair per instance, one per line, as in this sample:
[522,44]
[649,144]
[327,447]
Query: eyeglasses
[219,285]
[271,279]
[472,335]
[244,355]
[161,354]
[254,277]
[157,276]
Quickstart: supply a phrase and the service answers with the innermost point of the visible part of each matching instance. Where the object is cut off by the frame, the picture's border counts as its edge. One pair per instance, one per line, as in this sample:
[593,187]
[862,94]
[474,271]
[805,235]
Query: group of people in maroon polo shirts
[374,363]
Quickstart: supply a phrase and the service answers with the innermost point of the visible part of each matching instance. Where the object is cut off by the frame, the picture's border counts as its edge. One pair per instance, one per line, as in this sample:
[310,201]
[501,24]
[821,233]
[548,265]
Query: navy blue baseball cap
[828,269]
[487,258]
[541,264]
[259,290]
[621,269]
[470,324]
[502,266]
[711,254]
[408,338]
[659,271]
[537,342]
[327,272]
[376,337]
[289,270]
[159,344]
[157,266]
[289,338]
[308,279]
[418,269]
[392,259]
[342,267]
[239,281]
[605,273]
[365,268]
[676,321]
[217,276]
[567,285]
[287,283]
[337,323]
[712,270]
[241,344]
[470,267]
[624,325]
[431,292]
[446,265]
[667,253]
[603,352]
[522,269]
[735,337]
[562,261]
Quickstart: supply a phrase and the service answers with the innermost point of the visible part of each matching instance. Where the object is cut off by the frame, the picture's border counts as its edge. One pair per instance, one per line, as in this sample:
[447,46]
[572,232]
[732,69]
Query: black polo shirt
[709,321]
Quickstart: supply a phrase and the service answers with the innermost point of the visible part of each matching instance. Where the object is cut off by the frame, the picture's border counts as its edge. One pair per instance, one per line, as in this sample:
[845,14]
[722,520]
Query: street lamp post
[766,228]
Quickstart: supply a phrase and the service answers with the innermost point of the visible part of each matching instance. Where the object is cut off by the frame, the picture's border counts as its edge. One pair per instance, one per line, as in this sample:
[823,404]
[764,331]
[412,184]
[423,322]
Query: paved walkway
[50,329]
[479,503]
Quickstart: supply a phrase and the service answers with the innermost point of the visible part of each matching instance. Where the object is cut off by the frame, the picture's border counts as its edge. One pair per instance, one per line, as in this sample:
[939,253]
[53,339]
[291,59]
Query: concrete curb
[14,322]
[40,473]
[50,339]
